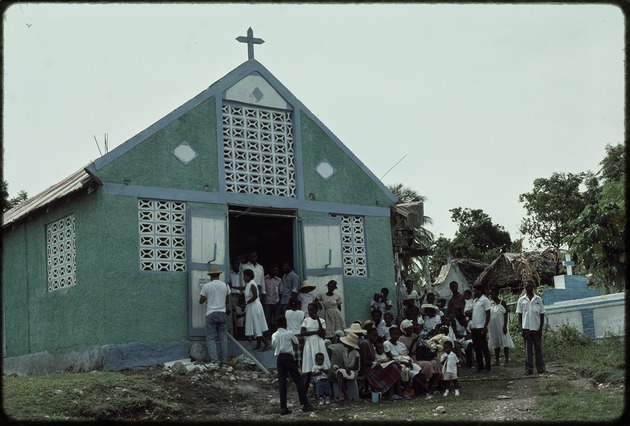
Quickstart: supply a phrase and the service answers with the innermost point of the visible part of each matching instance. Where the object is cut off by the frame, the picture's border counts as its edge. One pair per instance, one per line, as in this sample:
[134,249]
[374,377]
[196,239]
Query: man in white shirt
[283,341]
[479,328]
[215,294]
[531,318]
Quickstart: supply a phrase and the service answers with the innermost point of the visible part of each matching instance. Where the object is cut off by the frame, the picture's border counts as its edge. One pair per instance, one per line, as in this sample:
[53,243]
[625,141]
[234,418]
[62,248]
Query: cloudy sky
[477,100]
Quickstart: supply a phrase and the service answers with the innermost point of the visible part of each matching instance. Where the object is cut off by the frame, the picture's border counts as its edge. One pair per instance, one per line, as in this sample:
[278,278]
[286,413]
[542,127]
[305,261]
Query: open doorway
[269,232]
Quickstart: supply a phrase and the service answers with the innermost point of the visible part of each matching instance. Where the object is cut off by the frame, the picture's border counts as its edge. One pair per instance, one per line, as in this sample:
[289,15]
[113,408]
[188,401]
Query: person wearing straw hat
[350,368]
[216,295]
[305,296]
[331,302]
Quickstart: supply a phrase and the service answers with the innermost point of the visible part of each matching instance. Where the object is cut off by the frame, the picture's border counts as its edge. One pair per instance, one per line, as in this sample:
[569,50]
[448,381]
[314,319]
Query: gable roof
[86,175]
[75,182]
[217,88]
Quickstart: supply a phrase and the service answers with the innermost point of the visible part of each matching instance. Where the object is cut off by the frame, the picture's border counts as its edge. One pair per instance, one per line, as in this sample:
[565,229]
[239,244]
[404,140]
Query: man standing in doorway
[531,318]
[290,286]
[479,328]
[273,288]
[259,274]
[216,294]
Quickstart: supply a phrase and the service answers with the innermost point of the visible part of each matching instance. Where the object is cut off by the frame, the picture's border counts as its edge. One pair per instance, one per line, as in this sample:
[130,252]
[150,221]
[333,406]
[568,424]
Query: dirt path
[504,394]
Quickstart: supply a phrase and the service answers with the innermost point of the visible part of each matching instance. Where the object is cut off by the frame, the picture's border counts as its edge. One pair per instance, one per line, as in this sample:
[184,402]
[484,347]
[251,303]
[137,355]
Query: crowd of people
[420,351]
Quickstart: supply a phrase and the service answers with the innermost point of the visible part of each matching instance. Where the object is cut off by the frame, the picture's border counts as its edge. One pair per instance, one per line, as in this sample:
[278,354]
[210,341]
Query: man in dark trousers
[531,318]
[283,341]
[479,328]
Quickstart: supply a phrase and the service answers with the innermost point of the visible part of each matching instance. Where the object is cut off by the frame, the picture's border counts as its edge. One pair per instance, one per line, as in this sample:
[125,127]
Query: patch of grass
[105,395]
[558,402]
[602,361]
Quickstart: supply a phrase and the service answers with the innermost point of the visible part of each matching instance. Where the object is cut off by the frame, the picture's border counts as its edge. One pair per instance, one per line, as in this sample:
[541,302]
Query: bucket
[376,397]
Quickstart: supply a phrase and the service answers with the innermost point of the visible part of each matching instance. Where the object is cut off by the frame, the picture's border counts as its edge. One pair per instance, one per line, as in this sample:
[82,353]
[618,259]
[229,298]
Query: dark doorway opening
[269,232]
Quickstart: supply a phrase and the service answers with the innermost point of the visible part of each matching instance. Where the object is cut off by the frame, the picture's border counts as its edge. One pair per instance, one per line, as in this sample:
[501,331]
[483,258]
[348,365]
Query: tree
[440,252]
[599,242]
[614,164]
[8,203]
[418,239]
[477,238]
[551,206]
[5,196]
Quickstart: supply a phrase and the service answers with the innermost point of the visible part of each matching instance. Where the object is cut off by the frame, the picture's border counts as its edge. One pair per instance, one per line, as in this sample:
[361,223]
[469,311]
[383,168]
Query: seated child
[323,389]
[385,325]
[448,360]
[380,358]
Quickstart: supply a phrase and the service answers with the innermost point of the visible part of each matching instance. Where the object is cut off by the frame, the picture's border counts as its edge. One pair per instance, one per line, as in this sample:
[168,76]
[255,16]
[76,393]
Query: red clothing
[380,379]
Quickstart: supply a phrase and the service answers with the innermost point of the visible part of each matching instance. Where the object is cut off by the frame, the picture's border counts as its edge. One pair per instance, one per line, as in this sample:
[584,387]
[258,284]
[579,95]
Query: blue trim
[297,153]
[584,306]
[144,271]
[319,272]
[218,88]
[205,212]
[325,221]
[220,142]
[175,194]
[588,323]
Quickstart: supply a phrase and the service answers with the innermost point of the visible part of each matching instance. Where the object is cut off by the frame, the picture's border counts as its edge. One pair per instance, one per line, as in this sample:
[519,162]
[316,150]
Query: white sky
[482,99]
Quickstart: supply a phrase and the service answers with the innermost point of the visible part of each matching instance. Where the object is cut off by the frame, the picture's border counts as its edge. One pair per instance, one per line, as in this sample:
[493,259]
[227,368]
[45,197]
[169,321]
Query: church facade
[116,253]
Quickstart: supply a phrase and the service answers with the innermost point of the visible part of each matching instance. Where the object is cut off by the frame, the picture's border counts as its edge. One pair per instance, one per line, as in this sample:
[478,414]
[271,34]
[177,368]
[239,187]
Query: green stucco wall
[145,164]
[349,184]
[112,302]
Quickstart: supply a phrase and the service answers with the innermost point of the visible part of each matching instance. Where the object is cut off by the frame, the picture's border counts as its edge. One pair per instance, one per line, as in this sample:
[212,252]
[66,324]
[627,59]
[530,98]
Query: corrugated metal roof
[72,183]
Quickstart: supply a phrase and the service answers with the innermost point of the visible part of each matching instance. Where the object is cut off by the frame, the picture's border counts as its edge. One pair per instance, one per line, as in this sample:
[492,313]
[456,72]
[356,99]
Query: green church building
[103,269]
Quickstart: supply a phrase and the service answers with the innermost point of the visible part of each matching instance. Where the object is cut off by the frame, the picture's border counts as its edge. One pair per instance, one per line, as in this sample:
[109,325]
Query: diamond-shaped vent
[325,169]
[184,153]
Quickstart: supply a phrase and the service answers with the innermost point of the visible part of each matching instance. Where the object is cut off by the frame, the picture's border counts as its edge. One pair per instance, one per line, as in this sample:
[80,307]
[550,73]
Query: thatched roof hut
[512,269]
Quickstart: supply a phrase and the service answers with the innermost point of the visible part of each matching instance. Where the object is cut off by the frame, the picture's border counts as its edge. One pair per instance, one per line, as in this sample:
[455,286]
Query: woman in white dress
[313,330]
[255,323]
[331,302]
[499,335]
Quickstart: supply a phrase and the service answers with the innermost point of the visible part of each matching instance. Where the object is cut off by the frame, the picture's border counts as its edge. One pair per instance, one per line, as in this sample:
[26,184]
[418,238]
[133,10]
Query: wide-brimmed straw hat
[355,328]
[351,340]
[426,306]
[215,271]
[307,287]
